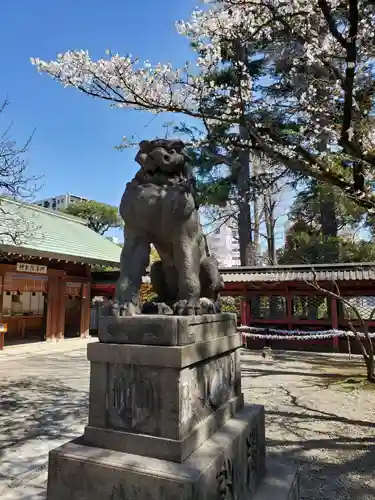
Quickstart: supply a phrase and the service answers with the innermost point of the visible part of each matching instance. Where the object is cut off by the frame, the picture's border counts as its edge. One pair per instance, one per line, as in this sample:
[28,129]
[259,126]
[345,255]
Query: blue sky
[73,146]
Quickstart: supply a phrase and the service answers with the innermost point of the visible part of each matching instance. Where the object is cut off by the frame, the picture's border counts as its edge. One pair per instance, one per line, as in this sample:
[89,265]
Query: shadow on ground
[324,479]
[33,408]
[333,445]
[324,369]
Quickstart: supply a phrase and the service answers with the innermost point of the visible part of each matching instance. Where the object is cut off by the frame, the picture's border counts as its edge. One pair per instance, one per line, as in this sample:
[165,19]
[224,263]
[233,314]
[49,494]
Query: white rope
[253,332]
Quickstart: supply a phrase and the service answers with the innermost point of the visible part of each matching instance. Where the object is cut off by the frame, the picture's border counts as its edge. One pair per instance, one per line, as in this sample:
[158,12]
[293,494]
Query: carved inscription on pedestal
[253,457]
[186,402]
[132,398]
[225,481]
[231,477]
[242,470]
[206,387]
[220,376]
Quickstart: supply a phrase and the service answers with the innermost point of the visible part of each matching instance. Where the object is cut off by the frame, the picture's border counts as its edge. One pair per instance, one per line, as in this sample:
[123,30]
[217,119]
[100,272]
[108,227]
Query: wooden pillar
[334,323]
[289,308]
[2,334]
[51,306]
[243,318]
[85,311]
[55,307]
[248,310]
[243,311]
[245,307]
[60,309]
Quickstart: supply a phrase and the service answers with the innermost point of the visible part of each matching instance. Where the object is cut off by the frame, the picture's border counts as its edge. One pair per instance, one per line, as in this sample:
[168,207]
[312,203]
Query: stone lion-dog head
[163,158]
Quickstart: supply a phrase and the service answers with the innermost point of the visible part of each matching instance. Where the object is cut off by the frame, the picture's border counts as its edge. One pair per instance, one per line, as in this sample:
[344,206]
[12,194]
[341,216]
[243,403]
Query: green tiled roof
[36,231]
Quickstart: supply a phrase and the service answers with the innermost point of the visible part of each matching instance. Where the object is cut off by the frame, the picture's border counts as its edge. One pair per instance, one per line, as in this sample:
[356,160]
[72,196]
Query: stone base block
[229,465]
[175,406]
[164,330]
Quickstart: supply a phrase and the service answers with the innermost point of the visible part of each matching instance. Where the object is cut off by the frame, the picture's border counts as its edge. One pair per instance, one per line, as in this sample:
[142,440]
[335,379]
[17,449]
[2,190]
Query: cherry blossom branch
[327,12]
[321,72]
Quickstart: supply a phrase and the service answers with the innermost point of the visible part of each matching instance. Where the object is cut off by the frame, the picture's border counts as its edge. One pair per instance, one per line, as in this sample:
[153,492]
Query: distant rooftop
[42,232]
[360,271]
[349,271]
[61,195]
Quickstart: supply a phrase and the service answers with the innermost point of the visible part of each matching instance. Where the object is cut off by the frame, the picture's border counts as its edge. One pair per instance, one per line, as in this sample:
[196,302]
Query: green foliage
[322,215]
[146,293]
[306,246]
[310,241]
[99,268]
[99,216]
[231,304]
[215,192]
[154,256]
[219,142]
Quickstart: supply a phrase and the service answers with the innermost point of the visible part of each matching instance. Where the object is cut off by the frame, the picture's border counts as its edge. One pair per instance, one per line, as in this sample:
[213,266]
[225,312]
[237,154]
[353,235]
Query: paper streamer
[271,333]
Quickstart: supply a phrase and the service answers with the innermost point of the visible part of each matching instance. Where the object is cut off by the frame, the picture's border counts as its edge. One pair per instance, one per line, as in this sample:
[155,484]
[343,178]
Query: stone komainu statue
[159,207]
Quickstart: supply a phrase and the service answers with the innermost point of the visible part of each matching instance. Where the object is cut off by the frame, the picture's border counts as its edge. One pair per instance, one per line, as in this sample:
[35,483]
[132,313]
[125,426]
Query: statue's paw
[208,306]
[156,308]
[187,308]
[124,309]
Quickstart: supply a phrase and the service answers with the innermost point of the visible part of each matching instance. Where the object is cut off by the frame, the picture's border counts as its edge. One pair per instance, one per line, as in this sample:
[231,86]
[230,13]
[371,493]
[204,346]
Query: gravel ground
[312,418]
[317,420]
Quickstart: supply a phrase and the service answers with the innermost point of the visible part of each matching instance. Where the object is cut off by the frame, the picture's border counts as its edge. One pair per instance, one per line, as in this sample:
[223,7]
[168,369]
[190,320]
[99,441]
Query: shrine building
[45,272]
[282,300]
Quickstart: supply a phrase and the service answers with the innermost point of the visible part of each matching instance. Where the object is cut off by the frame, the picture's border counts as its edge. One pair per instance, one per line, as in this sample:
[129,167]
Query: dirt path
[317,419]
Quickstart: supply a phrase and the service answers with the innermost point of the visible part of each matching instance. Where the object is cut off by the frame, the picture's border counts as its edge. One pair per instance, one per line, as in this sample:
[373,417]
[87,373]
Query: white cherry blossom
[323,56]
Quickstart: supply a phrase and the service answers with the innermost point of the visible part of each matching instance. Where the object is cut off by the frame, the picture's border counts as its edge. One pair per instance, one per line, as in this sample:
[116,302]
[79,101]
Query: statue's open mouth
[159,172]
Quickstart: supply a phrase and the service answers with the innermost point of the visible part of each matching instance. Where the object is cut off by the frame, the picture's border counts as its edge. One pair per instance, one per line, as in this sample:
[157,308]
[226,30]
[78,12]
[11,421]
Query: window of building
[310,307]
[265,307]
[365,306]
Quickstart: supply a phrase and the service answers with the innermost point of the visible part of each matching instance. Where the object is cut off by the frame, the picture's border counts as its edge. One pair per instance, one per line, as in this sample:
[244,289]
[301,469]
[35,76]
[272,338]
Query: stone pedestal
[167,419]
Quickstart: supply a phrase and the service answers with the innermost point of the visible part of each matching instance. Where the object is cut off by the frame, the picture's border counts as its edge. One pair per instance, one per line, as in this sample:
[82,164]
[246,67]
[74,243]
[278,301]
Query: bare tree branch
[366,345]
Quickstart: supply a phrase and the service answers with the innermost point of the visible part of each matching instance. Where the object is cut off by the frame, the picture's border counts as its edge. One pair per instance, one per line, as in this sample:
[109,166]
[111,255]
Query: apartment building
[59,202]
[224,246]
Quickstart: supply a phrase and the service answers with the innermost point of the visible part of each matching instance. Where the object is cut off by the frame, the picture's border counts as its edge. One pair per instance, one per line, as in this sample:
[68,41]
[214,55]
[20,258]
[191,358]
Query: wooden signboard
[31,268]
